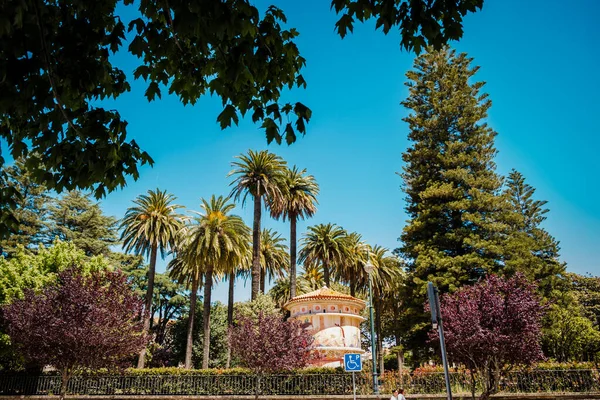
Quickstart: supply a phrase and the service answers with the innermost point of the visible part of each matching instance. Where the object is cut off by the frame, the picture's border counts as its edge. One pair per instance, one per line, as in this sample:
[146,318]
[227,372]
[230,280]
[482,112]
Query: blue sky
[540,61]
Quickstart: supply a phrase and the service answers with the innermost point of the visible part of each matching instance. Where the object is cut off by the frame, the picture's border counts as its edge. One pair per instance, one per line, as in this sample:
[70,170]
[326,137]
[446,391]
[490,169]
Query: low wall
[524,396]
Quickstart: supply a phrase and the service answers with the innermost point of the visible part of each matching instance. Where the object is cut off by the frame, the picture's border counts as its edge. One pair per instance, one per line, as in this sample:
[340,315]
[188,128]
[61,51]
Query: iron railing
[541,381]
[583,380]
[301,384]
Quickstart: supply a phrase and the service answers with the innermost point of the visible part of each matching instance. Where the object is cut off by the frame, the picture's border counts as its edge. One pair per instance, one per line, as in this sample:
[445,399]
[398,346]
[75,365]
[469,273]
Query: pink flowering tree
[81,321]
[492,326]
[270,344]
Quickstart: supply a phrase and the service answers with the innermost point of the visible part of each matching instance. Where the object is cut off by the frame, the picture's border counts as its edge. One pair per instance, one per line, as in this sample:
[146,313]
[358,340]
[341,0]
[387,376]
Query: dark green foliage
[456,227]
[170,300]
[530,248]
[55,64]
[218,337]
[586,289]
[222,48]
[30,211]
[454,233]
[421,23]
[76,218]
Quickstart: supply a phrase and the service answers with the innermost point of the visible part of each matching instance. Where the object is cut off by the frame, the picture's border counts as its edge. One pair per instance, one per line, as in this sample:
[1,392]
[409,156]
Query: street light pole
[369,268]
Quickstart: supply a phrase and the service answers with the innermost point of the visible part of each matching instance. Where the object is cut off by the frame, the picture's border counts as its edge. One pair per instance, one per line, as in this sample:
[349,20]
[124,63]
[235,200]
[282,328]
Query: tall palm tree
[273,257]
[299,201]
[351,270]
[232,272]
[218,241]
[385,275]
[259,175]
[324,244]
[151,225]
[190,275]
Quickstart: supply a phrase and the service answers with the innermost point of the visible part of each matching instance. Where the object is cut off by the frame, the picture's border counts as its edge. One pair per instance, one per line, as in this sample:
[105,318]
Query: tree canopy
[52,77]
[78,322]
[493,325]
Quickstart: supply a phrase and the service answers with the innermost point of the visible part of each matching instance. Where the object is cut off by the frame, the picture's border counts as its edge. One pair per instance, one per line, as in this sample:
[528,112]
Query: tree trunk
[190,332]
[352,283]
[326,273]
[256,248]
[293,256]
[206,315]
[230,313]
[263,274]
[64,383]
[400,357]
[148,303]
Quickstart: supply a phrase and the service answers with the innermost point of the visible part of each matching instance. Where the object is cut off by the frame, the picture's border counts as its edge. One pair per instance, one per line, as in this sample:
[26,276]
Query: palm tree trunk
[206,316]
[292,256]
[263,273]
[352,283]
[190,333]
[148,303]
[326,273]
[230,313]
[256,248]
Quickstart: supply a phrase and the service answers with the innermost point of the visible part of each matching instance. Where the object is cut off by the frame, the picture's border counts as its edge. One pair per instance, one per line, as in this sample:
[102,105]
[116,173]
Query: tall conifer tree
[456,231]
[74,217]
[30,213]
[530,248]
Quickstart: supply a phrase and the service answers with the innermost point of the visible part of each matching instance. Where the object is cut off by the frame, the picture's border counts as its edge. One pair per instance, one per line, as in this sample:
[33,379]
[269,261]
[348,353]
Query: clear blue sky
[540,59]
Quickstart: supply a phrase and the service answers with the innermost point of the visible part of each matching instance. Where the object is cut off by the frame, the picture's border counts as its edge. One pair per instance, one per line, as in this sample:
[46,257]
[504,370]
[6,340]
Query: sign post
[353,363]
[436,321]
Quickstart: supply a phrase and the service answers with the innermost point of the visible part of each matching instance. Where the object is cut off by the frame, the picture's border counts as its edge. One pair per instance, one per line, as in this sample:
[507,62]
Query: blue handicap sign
[352,362]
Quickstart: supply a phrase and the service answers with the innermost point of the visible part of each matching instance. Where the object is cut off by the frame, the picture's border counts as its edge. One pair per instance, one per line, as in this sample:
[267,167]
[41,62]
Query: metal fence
[541,381]
[296,384]
[301,384]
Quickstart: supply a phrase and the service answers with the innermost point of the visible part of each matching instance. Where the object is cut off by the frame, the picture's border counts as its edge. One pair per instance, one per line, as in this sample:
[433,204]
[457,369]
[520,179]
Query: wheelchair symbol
[352,362]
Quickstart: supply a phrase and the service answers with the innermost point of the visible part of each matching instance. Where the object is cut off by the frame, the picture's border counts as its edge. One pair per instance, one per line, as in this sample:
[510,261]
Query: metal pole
[373,343]
[354,385]
[443,345]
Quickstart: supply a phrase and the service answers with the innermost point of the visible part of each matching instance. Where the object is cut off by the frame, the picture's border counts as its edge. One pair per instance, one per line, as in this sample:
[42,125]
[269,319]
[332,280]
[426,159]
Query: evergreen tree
[530,248]
[76,218]
[456,225]
[30,212]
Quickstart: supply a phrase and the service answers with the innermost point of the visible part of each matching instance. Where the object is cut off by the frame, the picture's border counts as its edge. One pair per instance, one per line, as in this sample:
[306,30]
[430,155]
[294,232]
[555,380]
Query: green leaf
[290,135]
[152,91]
[228,114]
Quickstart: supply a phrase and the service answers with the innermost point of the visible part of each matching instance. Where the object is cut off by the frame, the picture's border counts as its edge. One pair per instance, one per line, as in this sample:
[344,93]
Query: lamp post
[369,267]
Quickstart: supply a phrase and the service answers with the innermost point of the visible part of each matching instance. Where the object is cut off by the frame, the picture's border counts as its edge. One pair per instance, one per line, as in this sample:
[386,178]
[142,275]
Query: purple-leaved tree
[492,326]
[270,344]
[80,321]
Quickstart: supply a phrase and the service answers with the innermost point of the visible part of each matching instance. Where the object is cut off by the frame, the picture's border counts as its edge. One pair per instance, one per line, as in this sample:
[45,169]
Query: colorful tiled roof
[324,293]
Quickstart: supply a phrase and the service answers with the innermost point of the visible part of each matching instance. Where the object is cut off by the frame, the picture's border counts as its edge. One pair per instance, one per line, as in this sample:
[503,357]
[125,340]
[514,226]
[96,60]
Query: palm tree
[232,272]
[218,241]
[259,175]
[385,276]
[189,274]
[324,244]
[280,292]
[351,270]
[273,257]
[299,201]
[149,226]
[312,277]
